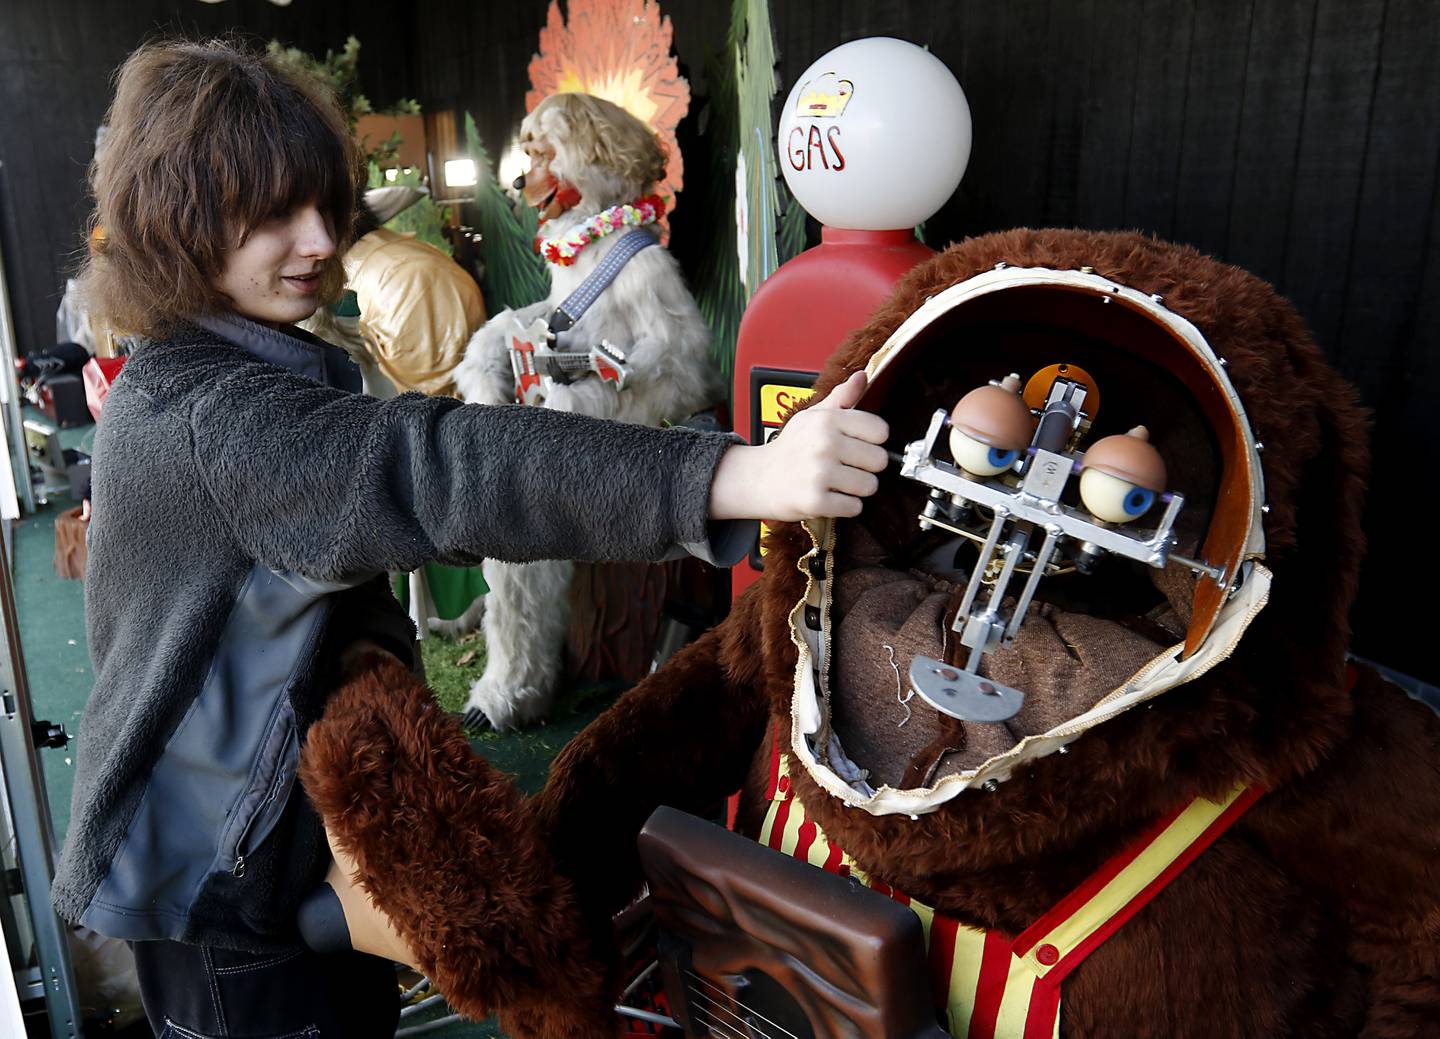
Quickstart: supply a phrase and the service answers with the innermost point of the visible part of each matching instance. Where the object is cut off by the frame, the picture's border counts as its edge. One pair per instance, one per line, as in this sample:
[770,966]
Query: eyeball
[979,458]
[1121,476]
[989,428]
[1112,499]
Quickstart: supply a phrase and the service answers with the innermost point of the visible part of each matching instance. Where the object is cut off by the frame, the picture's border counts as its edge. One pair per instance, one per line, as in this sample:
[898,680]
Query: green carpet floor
[52,638]
[57,663]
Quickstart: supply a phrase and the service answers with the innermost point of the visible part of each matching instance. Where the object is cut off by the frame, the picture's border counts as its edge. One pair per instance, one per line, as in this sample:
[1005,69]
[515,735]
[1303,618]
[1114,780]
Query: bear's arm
[683,737]
[1362,834]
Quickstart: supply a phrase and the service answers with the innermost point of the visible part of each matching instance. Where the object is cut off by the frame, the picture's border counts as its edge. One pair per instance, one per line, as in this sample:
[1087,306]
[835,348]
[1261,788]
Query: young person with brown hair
[247,504]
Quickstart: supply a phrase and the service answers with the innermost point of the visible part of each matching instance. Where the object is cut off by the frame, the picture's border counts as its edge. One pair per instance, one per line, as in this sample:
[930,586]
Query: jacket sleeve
[331,484]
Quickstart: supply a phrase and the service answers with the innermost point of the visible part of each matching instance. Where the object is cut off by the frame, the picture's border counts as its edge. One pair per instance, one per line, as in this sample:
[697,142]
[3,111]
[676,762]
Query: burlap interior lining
[1065,657]
[1063,660]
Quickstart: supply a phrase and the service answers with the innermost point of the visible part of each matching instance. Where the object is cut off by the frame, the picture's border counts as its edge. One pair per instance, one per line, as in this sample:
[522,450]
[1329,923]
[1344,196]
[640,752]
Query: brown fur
[1314,915]
[443,844]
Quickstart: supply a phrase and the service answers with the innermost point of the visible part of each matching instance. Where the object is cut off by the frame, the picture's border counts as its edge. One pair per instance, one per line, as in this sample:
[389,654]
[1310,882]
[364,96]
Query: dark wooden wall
[1296,138]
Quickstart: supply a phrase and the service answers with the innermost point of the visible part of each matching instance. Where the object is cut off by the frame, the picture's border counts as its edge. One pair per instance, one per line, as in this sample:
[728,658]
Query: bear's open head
[1145,668]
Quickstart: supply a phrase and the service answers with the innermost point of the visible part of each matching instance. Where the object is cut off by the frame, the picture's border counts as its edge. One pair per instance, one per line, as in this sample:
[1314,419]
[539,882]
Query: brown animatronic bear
[1199,822]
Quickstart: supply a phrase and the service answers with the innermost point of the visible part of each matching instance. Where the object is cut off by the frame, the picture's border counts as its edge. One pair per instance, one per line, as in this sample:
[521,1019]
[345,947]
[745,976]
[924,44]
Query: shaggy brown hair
[206,141]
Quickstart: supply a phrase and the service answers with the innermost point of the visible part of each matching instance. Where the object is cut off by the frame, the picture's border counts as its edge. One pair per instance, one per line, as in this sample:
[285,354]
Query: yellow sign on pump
[777,401]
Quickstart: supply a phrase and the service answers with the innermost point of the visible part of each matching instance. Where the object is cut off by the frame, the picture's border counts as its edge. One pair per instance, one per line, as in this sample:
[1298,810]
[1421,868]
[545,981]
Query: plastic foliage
[512,274]
[340,72]
[756,85]
[736,123]
[424,218]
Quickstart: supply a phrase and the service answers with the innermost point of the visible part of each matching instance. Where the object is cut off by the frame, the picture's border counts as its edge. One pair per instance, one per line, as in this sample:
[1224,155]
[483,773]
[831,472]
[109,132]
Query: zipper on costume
[238,870]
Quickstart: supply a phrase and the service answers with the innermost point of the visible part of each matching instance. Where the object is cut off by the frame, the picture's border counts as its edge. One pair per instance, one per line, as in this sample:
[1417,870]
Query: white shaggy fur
[649,314]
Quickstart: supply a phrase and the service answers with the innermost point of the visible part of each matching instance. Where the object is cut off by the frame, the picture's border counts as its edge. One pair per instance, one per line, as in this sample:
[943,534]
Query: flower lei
[562,251]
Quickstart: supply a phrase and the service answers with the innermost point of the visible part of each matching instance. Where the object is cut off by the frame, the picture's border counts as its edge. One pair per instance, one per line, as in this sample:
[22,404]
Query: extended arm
[331,484]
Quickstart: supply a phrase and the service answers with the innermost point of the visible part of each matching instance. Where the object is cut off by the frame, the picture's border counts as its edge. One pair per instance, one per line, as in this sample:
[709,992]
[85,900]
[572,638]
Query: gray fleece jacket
[247,505]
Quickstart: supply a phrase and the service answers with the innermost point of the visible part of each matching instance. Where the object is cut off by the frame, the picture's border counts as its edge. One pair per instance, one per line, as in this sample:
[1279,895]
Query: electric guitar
[538,366]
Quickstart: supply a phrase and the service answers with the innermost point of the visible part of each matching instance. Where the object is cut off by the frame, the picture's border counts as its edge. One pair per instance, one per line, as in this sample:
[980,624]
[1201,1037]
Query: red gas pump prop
[796,318]
[873,139]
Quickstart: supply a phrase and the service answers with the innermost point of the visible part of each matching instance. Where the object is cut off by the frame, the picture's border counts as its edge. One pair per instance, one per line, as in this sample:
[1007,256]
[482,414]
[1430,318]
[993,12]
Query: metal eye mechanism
[990,427]
[1021,525]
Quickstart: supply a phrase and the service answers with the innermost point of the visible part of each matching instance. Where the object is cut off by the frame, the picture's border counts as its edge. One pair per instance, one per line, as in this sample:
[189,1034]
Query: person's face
[275,276]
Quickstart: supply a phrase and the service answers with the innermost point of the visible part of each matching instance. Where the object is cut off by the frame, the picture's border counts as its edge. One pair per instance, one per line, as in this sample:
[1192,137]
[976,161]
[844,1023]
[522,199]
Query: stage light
[460,173]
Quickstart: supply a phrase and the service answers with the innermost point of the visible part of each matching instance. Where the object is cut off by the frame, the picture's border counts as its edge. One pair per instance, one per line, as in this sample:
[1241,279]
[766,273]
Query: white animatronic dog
[618,337]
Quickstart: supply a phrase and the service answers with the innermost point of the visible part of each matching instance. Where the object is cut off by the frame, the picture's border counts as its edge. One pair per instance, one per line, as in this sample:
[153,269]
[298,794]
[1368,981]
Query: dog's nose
[519,184]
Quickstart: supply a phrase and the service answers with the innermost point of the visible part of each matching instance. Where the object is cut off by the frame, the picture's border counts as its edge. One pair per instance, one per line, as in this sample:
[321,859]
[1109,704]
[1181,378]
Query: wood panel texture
[1297,138]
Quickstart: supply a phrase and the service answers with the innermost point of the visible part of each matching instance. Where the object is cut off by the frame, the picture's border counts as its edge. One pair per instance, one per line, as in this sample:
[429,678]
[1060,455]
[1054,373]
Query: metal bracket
[1006,516]
[963,694]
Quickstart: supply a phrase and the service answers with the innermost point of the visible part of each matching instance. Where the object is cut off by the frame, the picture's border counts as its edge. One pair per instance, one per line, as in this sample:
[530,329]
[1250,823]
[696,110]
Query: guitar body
[757,944]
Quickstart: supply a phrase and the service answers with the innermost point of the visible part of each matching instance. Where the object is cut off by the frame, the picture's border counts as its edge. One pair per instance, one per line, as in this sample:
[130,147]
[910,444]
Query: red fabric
[1105,930]
[777,834]
[732,810]
[1067,906]
[805,838]
[942,959]
[99,373]
[1044,1009]
[774,783]
[990,990]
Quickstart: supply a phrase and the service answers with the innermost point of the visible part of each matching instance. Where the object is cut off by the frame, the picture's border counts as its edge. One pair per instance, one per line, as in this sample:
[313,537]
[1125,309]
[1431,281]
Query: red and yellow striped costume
[992,986]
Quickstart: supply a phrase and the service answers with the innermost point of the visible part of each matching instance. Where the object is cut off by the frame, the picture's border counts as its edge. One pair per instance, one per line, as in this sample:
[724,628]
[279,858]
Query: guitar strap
[990,985]
[629,244]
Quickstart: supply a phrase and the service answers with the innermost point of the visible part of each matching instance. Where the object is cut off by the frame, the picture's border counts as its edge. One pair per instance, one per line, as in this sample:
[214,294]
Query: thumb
[847,394]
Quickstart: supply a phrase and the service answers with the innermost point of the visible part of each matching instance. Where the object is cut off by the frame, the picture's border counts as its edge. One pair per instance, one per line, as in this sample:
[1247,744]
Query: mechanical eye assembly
[1013,461]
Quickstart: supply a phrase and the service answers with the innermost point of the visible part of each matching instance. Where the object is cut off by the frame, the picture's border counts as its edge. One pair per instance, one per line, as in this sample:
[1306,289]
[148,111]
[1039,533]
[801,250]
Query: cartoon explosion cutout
[618,50]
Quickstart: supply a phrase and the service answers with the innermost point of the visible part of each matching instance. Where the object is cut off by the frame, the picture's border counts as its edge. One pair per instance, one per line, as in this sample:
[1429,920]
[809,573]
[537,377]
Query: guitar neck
[572,362]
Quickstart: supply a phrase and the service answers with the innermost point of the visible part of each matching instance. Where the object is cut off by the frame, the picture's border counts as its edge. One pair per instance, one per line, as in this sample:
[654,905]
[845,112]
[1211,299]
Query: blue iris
[1138,500]
[1002,459]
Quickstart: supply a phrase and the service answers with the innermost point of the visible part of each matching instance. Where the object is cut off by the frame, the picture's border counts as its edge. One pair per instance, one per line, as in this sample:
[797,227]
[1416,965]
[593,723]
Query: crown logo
[825,97]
